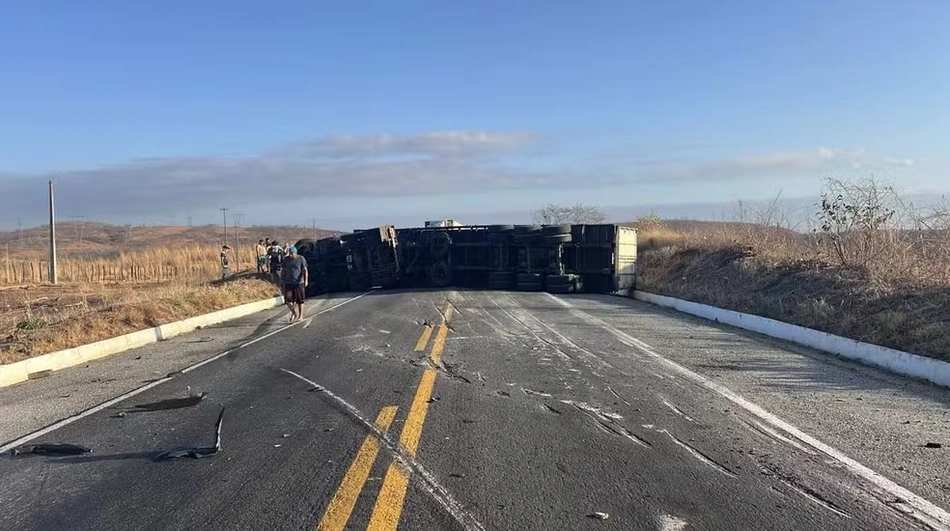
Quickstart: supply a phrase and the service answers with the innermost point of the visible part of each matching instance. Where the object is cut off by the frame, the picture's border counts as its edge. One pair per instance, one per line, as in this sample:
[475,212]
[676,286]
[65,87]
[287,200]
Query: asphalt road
[492,410]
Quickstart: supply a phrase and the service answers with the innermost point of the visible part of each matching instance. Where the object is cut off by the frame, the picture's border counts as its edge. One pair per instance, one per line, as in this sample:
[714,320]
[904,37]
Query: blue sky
[361,112]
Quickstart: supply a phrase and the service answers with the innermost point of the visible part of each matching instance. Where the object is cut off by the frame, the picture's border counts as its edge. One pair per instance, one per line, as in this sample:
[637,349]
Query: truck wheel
[440,275]
[560,288]
[550,230]
[440,243]
[560,279]
[529,286]
[527,238]
[499,285]
[304,246]
[557,239]
[525,229]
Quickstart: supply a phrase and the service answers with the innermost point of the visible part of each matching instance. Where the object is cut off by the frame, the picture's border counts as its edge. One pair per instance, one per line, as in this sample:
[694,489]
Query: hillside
[90,239]
[886,286]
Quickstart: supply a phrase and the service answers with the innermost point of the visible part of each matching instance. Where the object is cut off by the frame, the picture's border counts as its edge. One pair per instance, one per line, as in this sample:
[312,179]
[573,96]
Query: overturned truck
[552,258]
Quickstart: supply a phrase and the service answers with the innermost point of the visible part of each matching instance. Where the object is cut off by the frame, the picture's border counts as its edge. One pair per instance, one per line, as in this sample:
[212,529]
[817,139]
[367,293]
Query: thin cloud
[386,166]
[770,165]
[445,143]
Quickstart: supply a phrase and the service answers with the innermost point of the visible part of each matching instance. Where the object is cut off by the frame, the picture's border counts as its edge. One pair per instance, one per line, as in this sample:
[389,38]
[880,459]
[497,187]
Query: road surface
[475,410]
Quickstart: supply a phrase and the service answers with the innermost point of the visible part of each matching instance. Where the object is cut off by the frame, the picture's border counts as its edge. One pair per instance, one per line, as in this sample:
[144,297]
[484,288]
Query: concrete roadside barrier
[46,364]
[896,361]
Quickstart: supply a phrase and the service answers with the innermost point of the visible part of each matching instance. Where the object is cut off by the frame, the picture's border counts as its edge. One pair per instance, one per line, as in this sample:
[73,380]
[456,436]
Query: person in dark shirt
[276,255]
[295,277]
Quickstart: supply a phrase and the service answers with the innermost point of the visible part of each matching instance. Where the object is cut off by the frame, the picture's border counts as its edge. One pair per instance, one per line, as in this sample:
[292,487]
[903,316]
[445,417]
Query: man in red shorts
[295,277]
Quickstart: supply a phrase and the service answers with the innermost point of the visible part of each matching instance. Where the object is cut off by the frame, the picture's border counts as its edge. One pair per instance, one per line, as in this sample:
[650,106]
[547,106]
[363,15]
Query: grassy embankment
[873,269]
[105,297]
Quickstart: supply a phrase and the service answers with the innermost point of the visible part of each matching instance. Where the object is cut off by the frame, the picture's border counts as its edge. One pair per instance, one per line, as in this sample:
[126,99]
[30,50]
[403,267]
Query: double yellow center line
[392,494]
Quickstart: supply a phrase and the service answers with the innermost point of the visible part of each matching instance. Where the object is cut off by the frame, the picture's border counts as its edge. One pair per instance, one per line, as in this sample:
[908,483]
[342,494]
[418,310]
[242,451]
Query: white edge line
[933,515]
[95,409]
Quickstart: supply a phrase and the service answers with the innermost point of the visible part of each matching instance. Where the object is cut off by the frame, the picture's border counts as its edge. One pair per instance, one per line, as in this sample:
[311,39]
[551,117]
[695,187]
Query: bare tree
[855,218]
[554,214]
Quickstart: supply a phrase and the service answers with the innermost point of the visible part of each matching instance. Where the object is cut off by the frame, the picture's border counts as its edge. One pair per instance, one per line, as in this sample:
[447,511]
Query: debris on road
[54,449]
[197,452]
[173,403]
[933,445]
[119,415]
[599,516]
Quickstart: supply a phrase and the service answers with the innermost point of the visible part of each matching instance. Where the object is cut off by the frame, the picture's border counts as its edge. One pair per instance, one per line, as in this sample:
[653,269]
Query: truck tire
[440,244]
[550,230]
[529,278]
[557,239]
[560,279]
[440,275]
[526,229]
[529,286]
[560,288]
[527,238]
[304,246]
[500,285]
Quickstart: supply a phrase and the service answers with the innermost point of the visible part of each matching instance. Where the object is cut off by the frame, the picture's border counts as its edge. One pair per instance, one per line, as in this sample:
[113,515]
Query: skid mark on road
[429,484]
[909,504]
[387,510]
[677,410]
[699,455]
[762,429]
[616,395]
[606,422]
[800,488]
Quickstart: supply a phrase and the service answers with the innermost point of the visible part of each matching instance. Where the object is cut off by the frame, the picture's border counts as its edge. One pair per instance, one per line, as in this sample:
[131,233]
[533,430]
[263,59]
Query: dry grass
[159,264]
[44,319]
[887,283]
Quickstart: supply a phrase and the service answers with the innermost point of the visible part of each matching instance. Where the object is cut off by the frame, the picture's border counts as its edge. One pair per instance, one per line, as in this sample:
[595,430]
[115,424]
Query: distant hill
[76,238]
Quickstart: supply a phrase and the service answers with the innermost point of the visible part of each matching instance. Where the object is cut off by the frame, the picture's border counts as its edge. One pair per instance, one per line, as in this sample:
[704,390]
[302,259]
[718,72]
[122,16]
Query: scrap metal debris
[933,445]
[197,452]
[173,403]
[54,449]
[599,516]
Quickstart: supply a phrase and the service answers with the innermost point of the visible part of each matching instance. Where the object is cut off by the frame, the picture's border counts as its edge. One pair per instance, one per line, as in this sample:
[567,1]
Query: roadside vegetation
[180,263]
[866,265]
[39,319]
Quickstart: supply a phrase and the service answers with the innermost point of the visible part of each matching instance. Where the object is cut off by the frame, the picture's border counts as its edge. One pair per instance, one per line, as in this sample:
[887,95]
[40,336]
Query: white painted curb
[55,361]
[897,361]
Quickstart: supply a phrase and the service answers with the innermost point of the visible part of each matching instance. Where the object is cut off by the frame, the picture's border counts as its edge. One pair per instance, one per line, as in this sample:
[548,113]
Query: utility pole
[237,220]
[315,229]
[224,214]
[19,233]
[52,237]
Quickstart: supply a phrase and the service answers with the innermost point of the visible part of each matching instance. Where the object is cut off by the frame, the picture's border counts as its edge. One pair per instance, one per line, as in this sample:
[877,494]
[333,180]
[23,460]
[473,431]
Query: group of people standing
[287,269]
[269,256]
